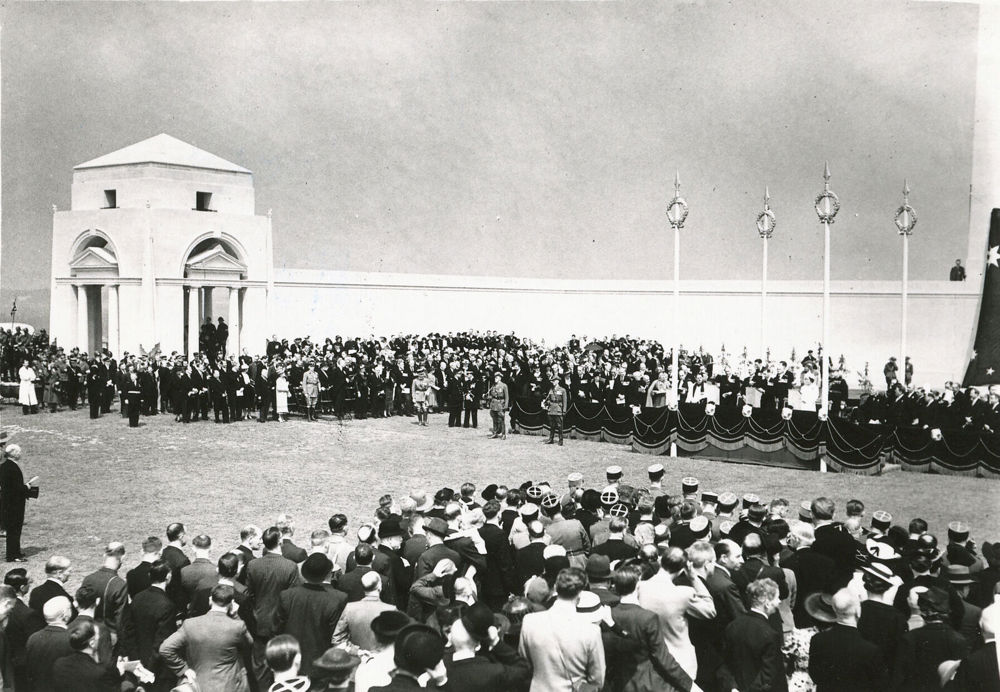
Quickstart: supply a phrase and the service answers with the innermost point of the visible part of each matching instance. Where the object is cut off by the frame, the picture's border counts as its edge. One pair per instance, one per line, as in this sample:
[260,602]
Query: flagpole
[905,220]
[677,212]
[826,205]
[765,227]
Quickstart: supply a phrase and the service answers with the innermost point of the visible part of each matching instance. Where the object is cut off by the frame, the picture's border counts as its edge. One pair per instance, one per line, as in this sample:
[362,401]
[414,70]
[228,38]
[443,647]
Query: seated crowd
[453,372]
[530,587]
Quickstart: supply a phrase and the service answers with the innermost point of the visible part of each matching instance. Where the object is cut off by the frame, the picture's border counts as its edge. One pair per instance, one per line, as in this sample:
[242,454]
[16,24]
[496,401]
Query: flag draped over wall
[984,362]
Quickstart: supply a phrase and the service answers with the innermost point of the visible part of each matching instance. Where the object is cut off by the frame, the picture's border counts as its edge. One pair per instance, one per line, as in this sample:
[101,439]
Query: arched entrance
[94,271]
[213,263]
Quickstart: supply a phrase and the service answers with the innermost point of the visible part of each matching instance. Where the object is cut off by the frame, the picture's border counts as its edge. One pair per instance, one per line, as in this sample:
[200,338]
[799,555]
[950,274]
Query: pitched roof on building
[163,149]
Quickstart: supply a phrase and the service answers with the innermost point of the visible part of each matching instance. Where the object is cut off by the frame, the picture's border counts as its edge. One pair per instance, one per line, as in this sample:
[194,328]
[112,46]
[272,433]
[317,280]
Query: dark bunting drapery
[766,437]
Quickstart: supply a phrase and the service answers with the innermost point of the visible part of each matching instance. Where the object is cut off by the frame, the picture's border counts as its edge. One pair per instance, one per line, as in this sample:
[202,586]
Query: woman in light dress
[26,395]
[281,395]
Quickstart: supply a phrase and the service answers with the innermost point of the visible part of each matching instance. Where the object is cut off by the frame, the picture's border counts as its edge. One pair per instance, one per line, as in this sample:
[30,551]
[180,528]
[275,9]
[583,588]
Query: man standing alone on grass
[556,403]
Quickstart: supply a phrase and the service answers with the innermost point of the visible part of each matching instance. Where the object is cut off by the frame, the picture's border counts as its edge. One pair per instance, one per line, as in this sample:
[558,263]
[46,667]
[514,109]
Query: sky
[535,139]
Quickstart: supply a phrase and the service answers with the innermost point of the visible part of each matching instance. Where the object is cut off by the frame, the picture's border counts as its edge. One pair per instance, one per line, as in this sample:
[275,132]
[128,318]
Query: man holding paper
[14,493]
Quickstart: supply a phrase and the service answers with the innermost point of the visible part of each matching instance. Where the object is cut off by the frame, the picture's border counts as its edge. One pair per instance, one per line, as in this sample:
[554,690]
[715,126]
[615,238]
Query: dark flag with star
[984,365]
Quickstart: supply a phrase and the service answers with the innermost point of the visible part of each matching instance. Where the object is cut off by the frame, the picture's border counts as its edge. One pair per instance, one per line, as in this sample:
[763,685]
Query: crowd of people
[455,373]
[626,584]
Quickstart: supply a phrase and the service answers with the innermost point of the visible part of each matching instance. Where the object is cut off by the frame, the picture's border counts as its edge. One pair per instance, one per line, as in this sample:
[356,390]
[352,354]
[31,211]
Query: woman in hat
[310,390]
[281,394]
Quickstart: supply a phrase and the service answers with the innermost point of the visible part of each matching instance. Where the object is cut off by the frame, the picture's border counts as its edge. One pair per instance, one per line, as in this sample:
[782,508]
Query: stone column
[82,319]
[233,347]
[194,298]
[207,311]
[113,334]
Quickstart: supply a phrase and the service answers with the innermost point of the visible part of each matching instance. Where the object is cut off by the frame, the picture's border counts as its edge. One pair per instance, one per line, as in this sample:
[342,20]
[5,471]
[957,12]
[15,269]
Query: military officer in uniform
[499,400]
[556,401]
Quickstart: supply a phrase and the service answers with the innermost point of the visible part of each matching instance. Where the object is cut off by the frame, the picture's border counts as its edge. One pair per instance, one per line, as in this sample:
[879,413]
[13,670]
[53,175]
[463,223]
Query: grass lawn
[103,481]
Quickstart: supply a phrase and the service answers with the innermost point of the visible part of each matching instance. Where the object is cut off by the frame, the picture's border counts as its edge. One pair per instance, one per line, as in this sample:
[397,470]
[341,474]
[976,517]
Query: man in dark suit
[436,529]
[419,650]
[309,612]
[173,555]
[267,577]
[288,548]
[753,645]
[149,620]
[812,569]
[193,574]
[390,542]
[57,570]
[728,600]
[14,494]
[530,559]
[481,661]
[80,671]
[755,566]
[48,644]
[137,578]
[634,647]
[22,622]
[979,670]
[840,659]
[498,581]
[226,570]
[833,541]
[358,567]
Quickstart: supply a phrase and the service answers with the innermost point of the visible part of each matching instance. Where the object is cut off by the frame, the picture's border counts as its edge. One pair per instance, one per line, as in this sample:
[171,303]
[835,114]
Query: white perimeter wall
[865,315]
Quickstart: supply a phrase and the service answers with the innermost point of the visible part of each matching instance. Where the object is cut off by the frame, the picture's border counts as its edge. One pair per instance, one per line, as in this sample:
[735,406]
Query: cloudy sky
[516,139]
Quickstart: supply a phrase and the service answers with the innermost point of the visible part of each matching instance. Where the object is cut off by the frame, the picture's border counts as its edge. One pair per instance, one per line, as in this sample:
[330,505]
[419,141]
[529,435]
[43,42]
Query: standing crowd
[650,585]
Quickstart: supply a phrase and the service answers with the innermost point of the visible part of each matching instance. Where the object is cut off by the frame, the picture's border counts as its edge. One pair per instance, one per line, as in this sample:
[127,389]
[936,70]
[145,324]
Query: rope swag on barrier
[767,437]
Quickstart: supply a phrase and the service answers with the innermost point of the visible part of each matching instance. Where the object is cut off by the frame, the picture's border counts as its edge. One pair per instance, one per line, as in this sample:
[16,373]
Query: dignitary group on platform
[455,373]
[628,584]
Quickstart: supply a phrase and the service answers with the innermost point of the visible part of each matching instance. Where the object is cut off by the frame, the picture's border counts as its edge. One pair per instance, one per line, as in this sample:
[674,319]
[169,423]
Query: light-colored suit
[672,605]
[564,650]
[213,646]
[354,628]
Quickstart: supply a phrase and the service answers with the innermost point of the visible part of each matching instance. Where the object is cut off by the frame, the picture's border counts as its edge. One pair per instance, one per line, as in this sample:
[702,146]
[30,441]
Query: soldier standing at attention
[499,401]
[556,403]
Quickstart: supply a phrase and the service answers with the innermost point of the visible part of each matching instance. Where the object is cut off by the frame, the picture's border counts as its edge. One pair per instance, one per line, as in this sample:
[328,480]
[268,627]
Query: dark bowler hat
[388,623]
[418,648]
[390,527]
[489,492]
[316,567]
[477,621]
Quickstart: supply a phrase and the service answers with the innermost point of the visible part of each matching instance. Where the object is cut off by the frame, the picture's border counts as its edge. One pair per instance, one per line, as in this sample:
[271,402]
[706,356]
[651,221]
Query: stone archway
[94,271]
[212,263]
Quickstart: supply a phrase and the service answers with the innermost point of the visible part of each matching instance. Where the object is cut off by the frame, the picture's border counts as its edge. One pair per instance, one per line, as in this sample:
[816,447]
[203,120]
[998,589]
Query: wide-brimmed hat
[820,607]
[336,660]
